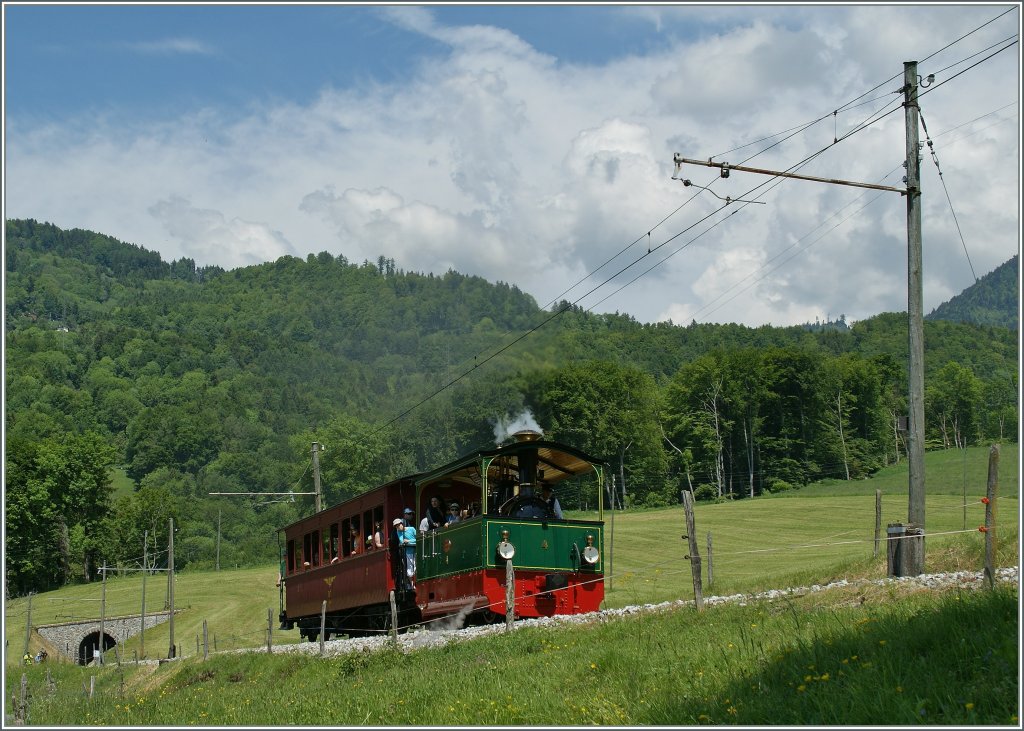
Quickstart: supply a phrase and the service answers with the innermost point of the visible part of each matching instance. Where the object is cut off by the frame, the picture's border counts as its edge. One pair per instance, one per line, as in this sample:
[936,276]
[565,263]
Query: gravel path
[440,635]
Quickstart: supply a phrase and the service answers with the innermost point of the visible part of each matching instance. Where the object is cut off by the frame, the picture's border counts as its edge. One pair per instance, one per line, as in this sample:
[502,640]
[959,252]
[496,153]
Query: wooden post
[878,520]
[145,570]
[694,555]
[510,595]
[22,710]
[206,641]
[270,629]
[92,686]
[711,571]
[103,613]
[28,624]
[394,620]
[991,492]
[170,582]
[323,625]
[197,643]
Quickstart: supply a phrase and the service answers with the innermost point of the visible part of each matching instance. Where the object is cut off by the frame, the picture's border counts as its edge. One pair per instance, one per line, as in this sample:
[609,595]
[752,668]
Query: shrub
[705,492]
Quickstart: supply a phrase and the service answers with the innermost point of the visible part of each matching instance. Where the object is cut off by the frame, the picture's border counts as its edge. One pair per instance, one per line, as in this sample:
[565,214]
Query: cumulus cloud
[208,236]
[496,159]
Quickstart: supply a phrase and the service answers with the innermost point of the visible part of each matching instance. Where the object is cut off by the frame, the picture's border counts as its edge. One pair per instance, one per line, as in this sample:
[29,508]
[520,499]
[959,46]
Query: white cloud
[498,160]
[171,46]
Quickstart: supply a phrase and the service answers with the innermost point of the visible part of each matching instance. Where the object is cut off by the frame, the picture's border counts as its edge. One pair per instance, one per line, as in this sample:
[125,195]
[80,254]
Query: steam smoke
[505,426]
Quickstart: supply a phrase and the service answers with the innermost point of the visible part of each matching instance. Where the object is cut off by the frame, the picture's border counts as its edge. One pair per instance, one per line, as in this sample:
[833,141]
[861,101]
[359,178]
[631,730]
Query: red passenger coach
[500,509]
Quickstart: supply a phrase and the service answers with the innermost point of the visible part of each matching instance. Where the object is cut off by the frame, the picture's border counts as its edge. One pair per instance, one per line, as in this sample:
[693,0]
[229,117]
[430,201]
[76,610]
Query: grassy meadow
[848,656]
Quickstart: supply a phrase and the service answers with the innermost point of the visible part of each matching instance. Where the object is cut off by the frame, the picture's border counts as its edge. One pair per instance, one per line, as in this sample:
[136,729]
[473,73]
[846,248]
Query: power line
[942,179]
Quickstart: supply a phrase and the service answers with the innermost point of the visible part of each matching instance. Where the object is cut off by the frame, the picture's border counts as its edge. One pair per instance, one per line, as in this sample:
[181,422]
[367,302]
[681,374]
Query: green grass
[925,659]
[815,535]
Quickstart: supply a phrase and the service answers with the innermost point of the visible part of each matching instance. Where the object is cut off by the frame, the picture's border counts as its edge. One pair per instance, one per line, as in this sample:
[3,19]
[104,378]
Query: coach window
[346,547]
[333,548]
[367,535]
[315,546]
[307,551]
[291,556]
[328,553]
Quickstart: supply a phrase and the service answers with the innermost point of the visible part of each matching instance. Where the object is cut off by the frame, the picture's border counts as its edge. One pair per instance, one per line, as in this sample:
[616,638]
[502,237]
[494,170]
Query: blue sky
[527,144]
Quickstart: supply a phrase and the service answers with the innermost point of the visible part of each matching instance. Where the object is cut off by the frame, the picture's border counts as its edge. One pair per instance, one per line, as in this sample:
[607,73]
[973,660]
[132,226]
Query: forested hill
[194,380]
[992,300]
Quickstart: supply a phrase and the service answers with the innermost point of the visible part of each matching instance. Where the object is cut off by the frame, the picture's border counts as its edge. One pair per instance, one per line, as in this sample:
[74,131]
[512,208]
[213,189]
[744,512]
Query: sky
[532,145]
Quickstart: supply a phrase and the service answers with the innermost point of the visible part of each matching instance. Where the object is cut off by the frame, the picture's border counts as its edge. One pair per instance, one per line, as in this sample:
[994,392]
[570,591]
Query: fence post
[878,520]
[394,620]
[510,595]
[991,493]
[323,625]
[711,571]
[23,706]
[694,555]
[206,641]
[270,628]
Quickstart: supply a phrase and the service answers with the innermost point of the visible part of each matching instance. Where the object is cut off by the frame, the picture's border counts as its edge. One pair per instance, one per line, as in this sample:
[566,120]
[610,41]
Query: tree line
[182,381]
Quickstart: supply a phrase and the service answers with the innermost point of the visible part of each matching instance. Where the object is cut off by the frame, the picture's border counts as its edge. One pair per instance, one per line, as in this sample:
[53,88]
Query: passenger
[453,514]
[408,541]
[551,500]
[378,536]
[434,516]
[353,539]
[425,524]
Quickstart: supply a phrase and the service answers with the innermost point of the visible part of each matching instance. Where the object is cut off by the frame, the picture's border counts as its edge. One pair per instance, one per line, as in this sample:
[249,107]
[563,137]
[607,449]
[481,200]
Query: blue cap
[408,510]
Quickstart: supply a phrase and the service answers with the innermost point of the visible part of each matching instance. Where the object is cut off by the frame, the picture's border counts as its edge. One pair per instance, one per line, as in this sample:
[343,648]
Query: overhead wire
[878,116]
[942,179]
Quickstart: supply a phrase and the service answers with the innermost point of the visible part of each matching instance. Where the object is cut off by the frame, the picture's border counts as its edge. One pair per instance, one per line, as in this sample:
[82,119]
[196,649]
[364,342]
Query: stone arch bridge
[78,640]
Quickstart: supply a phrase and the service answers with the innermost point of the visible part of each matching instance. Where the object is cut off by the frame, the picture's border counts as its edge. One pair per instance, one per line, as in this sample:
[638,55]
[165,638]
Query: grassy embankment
[850,656]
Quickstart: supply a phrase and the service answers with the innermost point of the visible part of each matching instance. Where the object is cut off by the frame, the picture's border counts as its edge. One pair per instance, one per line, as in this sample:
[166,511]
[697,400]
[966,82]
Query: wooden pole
[694,555]
[510,596]
[145,570]
[103,613]
[394,620]
[28,624]
[206,641]
[323,625]
[170,583]
[711,571]
[218,540]
[991,492]
[270,629]
[878,520]
[914,562]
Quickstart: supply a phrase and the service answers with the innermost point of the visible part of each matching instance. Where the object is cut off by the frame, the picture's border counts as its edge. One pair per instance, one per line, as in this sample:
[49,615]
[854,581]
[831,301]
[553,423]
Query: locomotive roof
[559,461]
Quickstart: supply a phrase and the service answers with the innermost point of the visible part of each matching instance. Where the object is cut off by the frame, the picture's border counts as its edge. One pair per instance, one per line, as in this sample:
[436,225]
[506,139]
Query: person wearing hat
[551,500]
[407,539]
[453,514]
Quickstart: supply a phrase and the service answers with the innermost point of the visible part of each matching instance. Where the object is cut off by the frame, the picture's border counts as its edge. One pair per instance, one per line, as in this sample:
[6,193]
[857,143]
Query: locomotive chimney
[527,435]
[527,461]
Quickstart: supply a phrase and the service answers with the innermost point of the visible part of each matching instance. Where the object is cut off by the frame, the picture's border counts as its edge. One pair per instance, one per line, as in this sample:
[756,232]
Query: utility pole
[915,402]
[316,473]
[913,563]
[28,623]
[103,614]
[145,570]
[170,584]
[218,539]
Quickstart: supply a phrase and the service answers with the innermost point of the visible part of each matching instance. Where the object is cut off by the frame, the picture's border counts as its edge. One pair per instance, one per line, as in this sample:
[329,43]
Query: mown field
[862,655]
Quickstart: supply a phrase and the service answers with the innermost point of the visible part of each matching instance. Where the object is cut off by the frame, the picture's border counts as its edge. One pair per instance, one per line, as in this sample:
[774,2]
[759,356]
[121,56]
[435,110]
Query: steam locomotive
[350,557]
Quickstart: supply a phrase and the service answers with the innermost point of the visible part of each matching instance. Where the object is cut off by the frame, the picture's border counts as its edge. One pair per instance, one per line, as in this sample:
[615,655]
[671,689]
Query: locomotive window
[291,556]
[315,548]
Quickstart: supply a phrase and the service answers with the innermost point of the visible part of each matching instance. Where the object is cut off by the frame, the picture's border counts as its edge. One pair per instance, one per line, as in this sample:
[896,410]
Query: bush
[655,500]
[705,492]
[774,484]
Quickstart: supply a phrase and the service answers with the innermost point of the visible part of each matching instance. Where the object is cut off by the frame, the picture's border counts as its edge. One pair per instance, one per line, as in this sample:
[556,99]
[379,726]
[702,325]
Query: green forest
[135,387]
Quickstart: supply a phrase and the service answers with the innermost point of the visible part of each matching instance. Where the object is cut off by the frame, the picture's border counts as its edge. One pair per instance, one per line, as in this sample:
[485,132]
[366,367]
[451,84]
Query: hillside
[993,300]
[193,380]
